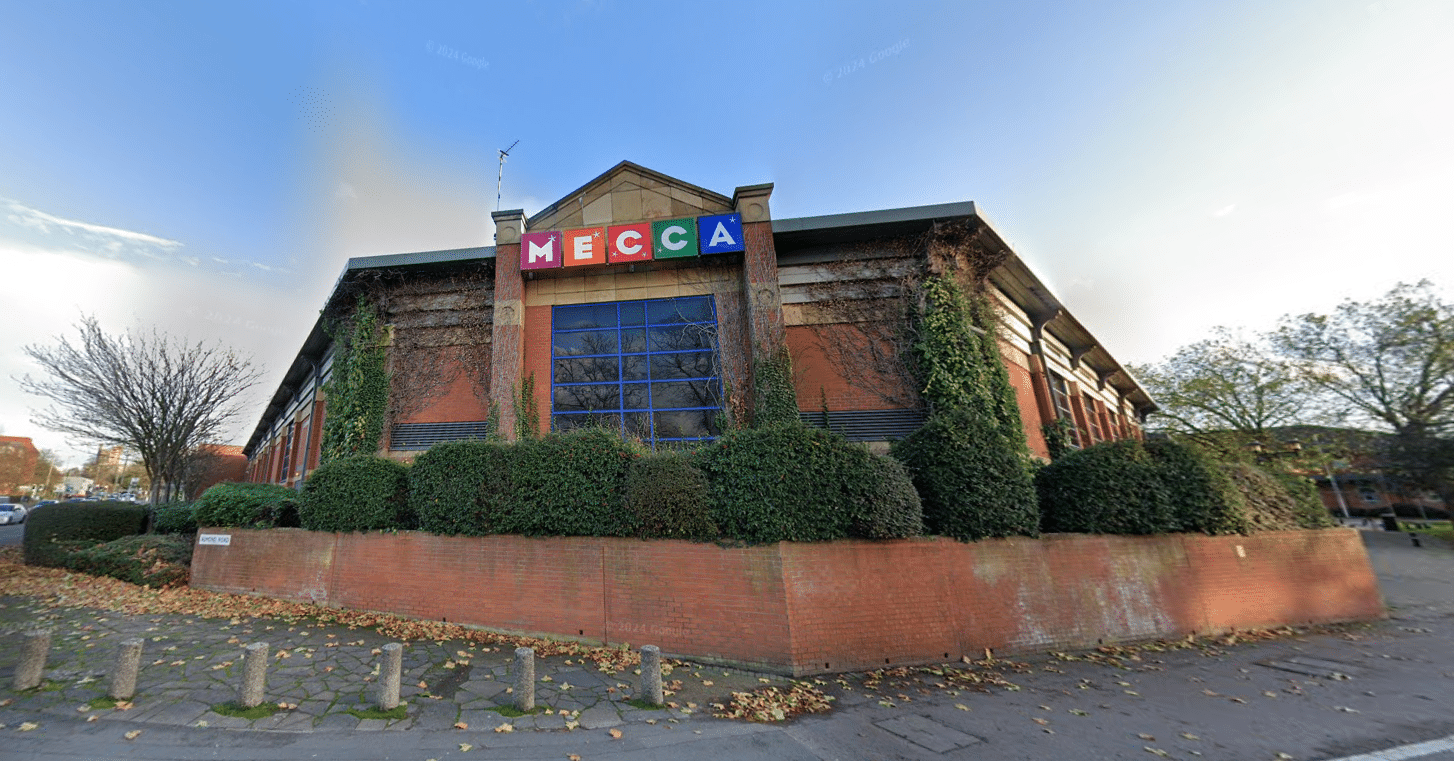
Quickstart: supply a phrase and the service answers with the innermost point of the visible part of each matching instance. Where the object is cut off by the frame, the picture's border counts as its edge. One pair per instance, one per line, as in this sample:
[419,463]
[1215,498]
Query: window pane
[684,394]
[633,313]
[611,421]
[635,396]
[682,338]
[638,424]
[684,365]
[592,370]
[585,316]
[686,424]
[587,398]
[633,368]
[633,340]
[691,309]
[587,342]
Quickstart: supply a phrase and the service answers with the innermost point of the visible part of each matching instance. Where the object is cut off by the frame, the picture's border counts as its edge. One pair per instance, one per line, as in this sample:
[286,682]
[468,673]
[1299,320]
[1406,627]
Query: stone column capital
[509,225]
[750,202]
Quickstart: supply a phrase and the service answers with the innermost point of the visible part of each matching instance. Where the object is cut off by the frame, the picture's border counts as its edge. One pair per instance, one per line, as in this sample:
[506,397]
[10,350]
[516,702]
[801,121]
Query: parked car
[12,514]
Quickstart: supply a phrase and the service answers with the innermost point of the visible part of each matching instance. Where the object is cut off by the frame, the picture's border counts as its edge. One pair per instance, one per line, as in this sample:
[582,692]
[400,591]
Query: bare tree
[157,395]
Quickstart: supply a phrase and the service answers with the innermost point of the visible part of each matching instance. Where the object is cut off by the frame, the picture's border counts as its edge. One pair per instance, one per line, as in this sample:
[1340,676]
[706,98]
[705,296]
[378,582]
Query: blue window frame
[649,368]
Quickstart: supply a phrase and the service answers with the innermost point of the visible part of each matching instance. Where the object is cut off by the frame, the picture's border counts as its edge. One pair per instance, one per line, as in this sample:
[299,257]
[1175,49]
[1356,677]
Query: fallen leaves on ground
[461,725]
[465,747]
[615,734]
[28,726]
[506,727]
[59,588]
[133,734]
[769,704]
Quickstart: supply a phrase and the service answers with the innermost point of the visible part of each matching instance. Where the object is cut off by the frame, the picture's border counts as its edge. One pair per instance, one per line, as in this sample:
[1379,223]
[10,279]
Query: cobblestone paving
[325,675]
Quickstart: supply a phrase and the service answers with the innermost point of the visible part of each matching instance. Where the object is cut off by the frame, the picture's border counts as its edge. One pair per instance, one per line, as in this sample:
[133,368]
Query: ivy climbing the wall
[777,399]
[969,461]
[358,389]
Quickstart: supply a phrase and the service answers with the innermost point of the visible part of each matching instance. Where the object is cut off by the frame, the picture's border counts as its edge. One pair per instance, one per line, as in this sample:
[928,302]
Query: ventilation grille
[868,425]
[425,435]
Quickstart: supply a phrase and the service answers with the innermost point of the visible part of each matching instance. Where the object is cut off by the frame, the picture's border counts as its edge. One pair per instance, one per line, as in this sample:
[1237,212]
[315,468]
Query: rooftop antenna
[499,183]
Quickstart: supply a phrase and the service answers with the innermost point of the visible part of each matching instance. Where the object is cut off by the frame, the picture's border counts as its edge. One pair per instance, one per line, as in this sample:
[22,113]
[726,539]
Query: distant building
[215,464]
[1352,470]
[646,303]
[18,457]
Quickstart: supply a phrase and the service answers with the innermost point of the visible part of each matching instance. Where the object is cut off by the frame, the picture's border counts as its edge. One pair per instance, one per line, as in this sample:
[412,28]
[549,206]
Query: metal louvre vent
[425,435]
[868,425]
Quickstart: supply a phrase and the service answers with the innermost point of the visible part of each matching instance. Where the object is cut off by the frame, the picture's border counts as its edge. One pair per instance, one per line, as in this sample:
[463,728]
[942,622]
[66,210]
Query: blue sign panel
[720,234]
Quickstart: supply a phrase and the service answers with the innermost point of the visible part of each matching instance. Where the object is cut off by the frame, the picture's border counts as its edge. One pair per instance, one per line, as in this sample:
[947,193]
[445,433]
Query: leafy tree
[1227,383]
[154,394]
[1391,361]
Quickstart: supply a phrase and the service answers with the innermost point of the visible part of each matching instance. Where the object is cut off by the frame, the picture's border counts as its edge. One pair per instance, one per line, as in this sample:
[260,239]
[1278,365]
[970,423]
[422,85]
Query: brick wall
[814,608]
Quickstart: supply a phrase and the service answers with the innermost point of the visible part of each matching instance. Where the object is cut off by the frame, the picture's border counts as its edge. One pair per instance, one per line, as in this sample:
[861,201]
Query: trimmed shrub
[359,493]
[461,487]
[566,484]
[1201,497]
[973,484]
[789,482]
[151,559]
[884,501]
[175,518]
[667,494]
[1270,505]
[247,505]
[1110,488]
[52,531]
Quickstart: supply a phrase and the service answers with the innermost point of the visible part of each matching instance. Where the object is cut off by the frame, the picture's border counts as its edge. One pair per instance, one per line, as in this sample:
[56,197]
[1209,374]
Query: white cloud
[1225,210]
[28,217]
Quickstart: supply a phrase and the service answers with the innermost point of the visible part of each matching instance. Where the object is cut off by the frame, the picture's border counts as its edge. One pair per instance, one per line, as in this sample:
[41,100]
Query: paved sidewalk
[324,672]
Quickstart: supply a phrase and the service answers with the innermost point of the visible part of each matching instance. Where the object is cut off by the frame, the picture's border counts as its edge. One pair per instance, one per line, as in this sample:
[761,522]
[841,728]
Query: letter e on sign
[586,246]
[630,243]
[674,238]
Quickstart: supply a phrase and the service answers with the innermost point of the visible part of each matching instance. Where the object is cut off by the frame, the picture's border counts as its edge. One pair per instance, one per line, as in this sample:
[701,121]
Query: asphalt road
[1334,694]
[11,534]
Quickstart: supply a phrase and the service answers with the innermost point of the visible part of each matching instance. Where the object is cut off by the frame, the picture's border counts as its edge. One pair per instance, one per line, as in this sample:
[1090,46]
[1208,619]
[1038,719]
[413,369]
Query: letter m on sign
[540,250]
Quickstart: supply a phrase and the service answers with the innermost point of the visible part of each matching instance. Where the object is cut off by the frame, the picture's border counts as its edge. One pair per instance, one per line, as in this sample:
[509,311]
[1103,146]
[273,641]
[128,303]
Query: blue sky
[1164,166]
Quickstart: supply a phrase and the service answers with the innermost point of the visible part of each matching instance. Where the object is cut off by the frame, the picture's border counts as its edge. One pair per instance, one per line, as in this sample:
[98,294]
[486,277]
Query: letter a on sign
[720,234]
[539,251]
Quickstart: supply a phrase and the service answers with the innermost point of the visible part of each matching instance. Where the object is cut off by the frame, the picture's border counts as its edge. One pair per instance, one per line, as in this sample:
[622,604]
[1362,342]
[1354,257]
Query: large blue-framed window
[649,368]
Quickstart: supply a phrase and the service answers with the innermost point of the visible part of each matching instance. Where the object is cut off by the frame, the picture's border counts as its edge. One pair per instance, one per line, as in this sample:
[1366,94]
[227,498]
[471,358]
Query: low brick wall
[814,608]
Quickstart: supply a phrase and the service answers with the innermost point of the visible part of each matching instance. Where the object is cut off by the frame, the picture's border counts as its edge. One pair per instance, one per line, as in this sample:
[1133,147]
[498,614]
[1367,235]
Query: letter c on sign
[666,238]
[632,249]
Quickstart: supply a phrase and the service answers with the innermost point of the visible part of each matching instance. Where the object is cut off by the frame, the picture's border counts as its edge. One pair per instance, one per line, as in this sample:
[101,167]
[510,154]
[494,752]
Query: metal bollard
[1415,538]
[524,679]
[389,672]
[34,648]
[254,675]
[128,664]
[651,675]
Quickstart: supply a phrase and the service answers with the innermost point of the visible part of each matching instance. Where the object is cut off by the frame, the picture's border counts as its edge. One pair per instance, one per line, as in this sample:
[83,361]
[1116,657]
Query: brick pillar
[506,347]
[762,302]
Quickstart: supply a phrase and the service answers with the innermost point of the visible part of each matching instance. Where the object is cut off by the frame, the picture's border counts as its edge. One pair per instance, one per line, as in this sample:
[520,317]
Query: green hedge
[1110,488]
[461,487]
[566,484]
[789,482]
[52,531]
[358,493]
[247,505]
[1201,496]
[175,518]
[1126,487]
[974,484]
[155,560]
[667,494]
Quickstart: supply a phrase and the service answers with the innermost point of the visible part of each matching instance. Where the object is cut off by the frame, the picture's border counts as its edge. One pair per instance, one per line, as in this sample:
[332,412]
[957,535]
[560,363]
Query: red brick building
[645,302]
[18,457]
